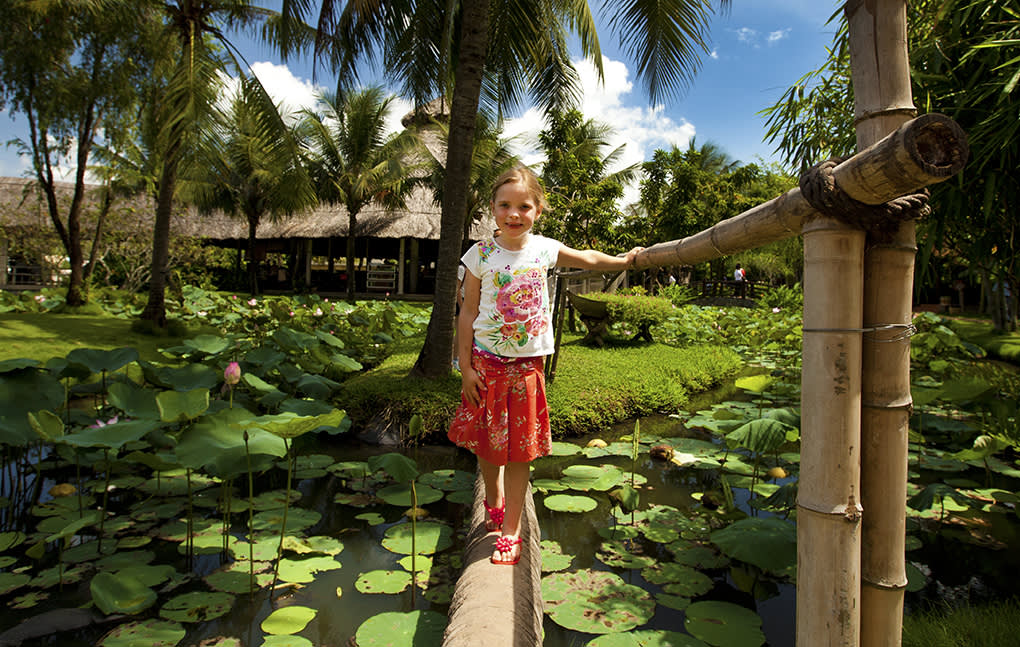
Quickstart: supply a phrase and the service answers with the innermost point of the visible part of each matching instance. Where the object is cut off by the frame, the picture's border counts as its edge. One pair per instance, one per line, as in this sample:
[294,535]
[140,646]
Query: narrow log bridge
[502,606]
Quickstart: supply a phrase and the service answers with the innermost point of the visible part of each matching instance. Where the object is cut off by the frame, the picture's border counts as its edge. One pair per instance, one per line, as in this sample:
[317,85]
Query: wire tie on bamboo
[908,331]
[818,186]
[851,510]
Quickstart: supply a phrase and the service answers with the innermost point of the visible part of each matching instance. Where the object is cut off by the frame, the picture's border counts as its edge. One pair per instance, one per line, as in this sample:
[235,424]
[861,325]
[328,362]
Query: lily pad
[297,520]
[724,624]
[449,479]
[235,578]
[623,554]
[592,477]
[304,570]
[382,581]
[595,602]
[560,448]
[647,638]
[399,494]
[288,620]
[696,555]
[670,601]
[157,633]
[319,544]
[12,581]
[371,518]
[431,538]
[114,594]
[197,606]
[286,641]
[549,485]
[553,557]
[54,576]
[356,499]
[396,629]
[570,503]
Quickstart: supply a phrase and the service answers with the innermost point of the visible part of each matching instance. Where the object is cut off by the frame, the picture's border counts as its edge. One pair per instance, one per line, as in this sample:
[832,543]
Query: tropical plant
[352,162]
[247,166]
[499,52]
[582,193]
[72,70]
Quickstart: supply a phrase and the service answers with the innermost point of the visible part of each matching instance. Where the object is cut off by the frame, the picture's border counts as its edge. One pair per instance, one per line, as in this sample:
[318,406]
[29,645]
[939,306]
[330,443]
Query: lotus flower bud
[232,374]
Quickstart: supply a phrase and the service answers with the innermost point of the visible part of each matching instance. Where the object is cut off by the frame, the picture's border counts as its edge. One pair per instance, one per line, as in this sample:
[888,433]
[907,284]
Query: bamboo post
[883,102]
[828,509]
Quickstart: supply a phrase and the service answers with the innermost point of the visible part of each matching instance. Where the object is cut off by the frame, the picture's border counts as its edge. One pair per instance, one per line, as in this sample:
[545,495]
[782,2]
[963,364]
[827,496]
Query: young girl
[503,333]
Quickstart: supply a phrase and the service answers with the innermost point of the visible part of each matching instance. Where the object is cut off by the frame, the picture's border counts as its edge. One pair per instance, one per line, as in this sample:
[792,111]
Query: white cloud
[747,35]
[778,35]
[714,54]
[290,92]
[639,128]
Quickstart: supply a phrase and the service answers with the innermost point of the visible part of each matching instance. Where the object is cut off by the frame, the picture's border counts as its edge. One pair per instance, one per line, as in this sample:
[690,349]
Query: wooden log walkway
[495,605]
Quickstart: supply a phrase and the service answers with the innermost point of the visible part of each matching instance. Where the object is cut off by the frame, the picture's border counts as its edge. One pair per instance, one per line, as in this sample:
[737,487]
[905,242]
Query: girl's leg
[516,476]
[492,476]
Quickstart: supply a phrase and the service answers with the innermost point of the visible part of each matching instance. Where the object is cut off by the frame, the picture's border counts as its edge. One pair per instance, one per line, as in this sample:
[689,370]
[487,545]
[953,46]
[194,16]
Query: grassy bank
[593,388]
[1001,345]
[44,335]
[994,625]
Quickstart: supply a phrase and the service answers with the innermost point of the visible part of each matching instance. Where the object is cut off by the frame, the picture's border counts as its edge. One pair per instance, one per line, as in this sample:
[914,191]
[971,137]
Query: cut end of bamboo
[937,144]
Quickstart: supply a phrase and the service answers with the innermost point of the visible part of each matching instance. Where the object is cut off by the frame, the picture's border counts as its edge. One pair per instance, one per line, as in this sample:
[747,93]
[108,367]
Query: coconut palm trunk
[352,223]
[434,359]
[883,102]
[253,274]
[155,308]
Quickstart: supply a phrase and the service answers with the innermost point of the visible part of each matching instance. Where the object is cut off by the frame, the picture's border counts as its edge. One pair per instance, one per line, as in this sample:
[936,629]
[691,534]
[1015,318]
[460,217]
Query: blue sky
[757,51]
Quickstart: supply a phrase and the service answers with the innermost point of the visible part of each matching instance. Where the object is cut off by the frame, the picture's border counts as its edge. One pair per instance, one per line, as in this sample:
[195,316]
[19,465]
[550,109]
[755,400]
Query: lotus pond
[185,505]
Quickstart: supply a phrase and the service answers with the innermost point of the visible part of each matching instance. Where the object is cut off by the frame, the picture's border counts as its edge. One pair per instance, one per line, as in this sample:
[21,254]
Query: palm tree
[352,162]
[182,98]
[246,166]
[506,48]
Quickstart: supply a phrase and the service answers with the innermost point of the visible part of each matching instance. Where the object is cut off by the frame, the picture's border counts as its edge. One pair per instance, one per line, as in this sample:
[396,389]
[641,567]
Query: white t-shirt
[738,274]
[515,311]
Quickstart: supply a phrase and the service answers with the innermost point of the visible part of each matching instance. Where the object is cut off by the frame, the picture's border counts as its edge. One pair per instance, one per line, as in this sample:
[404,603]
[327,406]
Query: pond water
[973,558]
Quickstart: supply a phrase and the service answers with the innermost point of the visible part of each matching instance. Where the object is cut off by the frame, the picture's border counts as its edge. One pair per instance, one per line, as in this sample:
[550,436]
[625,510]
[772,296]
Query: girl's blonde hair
[521,174]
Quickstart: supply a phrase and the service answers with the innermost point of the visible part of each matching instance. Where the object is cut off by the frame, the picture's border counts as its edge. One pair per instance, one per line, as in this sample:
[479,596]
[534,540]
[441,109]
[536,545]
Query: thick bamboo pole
[883,102]
[828,508]
[924,151]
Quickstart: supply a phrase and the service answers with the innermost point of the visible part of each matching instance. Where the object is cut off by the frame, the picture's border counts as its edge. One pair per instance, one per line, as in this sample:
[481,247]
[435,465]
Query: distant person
[505,331]
[739,275]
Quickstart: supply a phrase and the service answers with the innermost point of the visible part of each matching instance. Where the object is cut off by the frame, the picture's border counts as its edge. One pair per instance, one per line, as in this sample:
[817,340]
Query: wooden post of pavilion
[882,103]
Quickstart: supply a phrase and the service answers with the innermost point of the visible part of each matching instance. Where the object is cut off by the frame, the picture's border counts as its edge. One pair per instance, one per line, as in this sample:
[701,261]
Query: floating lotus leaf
[154,633]
[760,486]
[29,600]
[207,543]
[449,480]
[272,500]
[390,582]
[112,436]
[180,406]
[286,641]
[197,606]
[149,575]
[570,503]
[462,497]
[735,464]
[308,462]
[185,378]
[696,555]
[289,425]
[663,524]
[936,461]
[667,572]
[65,507]
[638,479]
[560,448]
[222,641]
[647,638]
[371,518]
[422,563]
[319,544]
[10,365]
[303,407]
[770,544]
[175,483]
[724,624]
[116,594]
[288,620]
[178,530]
[123,559]
[431,538]
[25,391]
[999,466]
[628,497]
[357,500]
[297,520]
[549,485]
[350,469]
[912,543]
[553,557]
[595,602]
[396,629]
[11,581]
[669,601]
[87,552]
[625,449]
[618,532]
[134,400]
[441,593]
[304,570]
[399,494]
[759,436]
[591,477]
[623,554]
[235,578]
[7,561]
[697,584]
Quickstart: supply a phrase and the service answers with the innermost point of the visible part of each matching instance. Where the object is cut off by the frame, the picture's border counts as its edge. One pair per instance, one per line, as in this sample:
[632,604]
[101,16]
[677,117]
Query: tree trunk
[434,359]
[883,102]
[352,223]
[155,308]
[98,234]
[253,276]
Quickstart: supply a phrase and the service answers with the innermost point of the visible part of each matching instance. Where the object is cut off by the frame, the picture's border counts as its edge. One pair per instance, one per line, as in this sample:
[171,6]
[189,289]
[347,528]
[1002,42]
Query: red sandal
[495,520]
[505,544]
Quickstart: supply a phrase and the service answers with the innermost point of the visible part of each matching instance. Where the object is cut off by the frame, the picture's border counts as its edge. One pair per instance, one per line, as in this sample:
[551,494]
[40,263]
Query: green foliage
[635,310]
[992,625]
[936,347]
[784,297]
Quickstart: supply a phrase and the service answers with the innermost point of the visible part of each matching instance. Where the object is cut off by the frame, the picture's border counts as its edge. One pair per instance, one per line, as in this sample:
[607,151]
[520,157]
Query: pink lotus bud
[232,374]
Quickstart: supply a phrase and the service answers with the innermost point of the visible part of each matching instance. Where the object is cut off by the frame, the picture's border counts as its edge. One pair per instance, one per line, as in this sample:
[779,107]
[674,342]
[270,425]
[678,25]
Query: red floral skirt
[512,422]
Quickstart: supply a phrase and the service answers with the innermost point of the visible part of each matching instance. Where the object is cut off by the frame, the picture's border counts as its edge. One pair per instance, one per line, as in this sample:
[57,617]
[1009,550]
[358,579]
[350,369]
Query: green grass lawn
[42,336]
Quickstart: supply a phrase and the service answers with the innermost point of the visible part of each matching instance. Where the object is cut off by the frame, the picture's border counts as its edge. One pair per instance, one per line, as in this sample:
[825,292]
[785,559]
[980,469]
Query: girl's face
[515,210]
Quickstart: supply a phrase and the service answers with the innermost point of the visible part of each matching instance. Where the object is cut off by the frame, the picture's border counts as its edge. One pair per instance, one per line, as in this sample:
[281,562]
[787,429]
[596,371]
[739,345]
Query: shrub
[634,310]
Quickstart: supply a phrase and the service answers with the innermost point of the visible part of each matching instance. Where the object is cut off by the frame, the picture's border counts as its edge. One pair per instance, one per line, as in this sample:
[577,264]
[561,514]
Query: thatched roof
[20,207]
